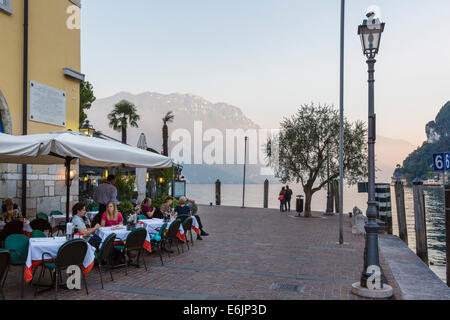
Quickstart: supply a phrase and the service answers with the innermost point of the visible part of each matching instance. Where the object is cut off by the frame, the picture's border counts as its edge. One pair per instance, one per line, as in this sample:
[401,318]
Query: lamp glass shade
[370,37]
[72,174]
[87,129]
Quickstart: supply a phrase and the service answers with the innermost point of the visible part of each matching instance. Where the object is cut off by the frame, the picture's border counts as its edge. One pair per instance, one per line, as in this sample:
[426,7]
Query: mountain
[420,162]
[189,108]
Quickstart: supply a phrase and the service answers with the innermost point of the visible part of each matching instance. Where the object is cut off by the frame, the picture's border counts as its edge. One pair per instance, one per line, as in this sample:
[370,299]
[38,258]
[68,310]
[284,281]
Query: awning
[55,148]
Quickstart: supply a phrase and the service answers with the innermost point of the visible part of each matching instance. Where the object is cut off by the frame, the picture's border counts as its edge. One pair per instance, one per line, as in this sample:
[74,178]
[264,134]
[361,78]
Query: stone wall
[46,188]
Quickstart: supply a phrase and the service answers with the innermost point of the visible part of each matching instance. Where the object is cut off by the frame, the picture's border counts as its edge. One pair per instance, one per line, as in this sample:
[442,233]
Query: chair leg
[56,284]
[100,271]
[85,283]
[178,249]
[143,259]
[39,280]
[126,263]
[21,280]
[160,254]
[110,267]
[192,239]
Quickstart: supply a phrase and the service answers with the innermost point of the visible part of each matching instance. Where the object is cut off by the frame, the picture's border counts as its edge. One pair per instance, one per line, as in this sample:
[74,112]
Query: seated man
[194,210]
[79,222]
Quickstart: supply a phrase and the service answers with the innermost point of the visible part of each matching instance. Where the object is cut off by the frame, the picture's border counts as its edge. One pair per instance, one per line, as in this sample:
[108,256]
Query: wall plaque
[47,104]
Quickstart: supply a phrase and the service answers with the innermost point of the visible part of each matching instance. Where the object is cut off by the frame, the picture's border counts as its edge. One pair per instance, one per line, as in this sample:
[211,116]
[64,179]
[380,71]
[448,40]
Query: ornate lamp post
[87,129]
[371,284]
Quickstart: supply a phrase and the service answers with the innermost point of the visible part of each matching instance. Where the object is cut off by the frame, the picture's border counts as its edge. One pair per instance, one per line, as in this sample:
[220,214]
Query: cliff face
[420,162]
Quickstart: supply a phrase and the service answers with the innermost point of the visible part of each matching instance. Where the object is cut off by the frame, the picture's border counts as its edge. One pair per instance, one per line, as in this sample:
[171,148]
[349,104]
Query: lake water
[434,201]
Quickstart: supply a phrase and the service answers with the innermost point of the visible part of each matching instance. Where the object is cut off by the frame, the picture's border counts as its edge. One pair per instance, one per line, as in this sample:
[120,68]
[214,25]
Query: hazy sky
[270,56]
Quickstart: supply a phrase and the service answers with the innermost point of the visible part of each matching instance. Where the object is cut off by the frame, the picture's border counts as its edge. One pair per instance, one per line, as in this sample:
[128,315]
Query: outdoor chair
[42,225]
[12,227]
[69,254]
[17,245]
[172,235]
[134,242]
[56,213]
[38,234]
[105,254]
[42,216]
[5,259]
[142,217]
[157,241]
[61,227]
[187,227]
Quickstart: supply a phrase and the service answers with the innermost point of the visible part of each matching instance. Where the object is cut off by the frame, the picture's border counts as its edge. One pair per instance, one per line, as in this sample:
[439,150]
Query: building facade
[40,62]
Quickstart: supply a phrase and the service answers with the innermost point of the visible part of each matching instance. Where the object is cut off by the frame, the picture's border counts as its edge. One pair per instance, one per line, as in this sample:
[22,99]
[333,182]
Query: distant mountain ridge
[188,108]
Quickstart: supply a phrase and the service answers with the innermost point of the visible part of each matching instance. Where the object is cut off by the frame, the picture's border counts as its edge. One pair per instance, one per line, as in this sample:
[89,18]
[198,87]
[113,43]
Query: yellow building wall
[52,46]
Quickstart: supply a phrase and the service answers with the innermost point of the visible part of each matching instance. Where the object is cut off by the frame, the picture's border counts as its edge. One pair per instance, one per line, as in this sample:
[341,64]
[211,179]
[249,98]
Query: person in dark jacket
[287,205]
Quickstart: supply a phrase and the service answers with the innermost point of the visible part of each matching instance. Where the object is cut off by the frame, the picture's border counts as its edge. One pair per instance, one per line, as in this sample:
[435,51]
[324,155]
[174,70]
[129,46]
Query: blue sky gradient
[269,57]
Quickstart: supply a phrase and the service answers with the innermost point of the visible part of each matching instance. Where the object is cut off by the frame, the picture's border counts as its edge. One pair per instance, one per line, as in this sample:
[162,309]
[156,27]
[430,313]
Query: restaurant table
[57,220]
[153,224]
[37,246]
[121,234]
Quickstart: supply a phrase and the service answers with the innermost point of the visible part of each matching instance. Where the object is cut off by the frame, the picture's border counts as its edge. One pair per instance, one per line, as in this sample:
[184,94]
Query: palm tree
[123,114]
[165,131]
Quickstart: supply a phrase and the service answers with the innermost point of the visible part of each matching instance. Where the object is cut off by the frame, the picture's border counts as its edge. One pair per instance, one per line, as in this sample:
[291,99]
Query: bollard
[447,230]
[336,196]
[419,216]
[266,194]
[401,213]
[384,207]
[218,184]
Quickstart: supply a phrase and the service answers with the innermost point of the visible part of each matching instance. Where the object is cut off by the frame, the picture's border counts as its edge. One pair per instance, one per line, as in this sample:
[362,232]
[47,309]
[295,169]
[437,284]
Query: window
[5,5]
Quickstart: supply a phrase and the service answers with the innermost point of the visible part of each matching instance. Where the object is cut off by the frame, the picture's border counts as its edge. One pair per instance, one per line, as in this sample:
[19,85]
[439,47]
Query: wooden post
[401,213]
[447,230]
[218,184]
[336,195]
[266,194]
[419,215]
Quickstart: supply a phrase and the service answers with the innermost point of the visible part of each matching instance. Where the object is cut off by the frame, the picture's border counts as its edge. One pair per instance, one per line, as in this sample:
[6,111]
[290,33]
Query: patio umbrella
[141,173]
[68,146]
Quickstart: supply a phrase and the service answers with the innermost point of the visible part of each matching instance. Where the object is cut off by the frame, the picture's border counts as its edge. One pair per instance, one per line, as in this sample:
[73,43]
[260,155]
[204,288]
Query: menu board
[180,189]
[47,104]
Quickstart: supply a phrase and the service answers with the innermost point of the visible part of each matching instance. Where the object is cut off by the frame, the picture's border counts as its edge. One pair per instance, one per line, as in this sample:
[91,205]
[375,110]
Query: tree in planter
[123,115]
[86,99]
[307,140]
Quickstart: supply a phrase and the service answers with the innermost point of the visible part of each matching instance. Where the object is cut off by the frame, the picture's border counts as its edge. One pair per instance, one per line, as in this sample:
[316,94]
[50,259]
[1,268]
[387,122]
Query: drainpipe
[25,102]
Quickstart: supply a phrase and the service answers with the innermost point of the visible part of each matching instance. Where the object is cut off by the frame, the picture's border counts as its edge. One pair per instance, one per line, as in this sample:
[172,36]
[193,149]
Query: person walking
[282,198]
[287,205]
[105,193]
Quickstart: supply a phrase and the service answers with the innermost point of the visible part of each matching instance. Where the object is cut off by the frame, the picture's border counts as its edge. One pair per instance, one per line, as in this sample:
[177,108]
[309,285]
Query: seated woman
[166,207]
[111,216]
[79,221]
[146,208]
[10,210]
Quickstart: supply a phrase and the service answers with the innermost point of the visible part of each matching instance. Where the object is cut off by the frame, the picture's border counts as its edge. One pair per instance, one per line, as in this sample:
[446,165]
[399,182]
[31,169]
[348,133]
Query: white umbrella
[141,173]
[65,147]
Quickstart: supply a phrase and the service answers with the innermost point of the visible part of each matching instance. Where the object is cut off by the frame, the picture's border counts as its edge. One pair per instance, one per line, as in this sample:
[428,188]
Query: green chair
[38,234]
[171,235]
[142,217]
[134,242]
[71,253]
[42,216]
[56,213]
[187,227]
[17,245]
[97,208]
[105,254]
[157,241]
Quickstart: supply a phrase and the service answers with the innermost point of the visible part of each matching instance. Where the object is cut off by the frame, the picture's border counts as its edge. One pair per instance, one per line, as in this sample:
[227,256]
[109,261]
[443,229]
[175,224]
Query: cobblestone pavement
[250,254]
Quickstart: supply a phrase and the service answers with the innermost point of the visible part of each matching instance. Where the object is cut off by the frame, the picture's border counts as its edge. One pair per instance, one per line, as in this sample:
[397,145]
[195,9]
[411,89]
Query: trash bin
[299,204]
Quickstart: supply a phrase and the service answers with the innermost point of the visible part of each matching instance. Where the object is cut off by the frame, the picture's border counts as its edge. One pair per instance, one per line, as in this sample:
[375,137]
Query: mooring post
[218,184]
[266,194]
[447,230]
[401,213]
[419,216]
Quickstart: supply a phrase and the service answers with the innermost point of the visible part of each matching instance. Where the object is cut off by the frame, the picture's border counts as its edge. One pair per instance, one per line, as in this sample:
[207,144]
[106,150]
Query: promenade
[250,254]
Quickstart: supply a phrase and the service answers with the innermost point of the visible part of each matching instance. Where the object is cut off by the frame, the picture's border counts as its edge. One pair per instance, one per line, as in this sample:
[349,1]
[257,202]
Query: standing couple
[285,199]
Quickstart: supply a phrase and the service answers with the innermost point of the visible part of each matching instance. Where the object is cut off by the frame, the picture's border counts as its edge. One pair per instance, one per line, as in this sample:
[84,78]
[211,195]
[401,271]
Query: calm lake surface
[254,195]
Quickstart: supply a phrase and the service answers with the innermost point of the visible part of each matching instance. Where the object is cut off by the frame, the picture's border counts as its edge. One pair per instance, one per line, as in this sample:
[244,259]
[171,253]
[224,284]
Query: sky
[268,57]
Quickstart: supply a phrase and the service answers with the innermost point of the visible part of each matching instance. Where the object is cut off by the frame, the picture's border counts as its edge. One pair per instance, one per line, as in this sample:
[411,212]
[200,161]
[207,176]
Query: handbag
[281,197]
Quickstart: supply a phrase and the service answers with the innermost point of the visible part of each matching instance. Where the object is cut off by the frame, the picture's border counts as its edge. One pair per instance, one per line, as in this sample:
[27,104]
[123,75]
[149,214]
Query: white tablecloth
[56,220]
[37,246]
[121,234]
[152,224]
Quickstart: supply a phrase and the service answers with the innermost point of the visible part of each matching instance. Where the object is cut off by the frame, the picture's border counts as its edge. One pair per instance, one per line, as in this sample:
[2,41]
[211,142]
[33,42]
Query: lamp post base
[384,293]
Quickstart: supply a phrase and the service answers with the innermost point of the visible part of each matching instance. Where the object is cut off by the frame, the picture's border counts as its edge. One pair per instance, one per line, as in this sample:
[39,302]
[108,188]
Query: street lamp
[371,284]
[87,129]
